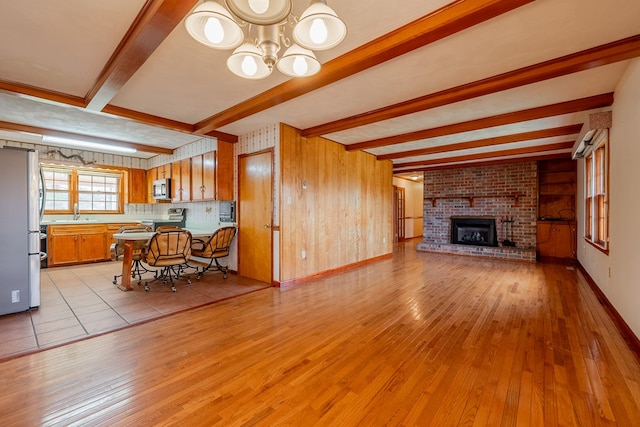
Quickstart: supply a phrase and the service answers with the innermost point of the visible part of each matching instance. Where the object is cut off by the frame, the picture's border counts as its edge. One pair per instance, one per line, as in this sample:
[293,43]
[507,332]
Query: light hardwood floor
[419,339]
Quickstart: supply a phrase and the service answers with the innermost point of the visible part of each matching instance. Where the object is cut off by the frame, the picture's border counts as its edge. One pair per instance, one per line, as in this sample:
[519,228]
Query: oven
[176,216]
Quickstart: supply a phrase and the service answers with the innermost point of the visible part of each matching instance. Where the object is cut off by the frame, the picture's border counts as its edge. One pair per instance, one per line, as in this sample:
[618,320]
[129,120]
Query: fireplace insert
[477,231]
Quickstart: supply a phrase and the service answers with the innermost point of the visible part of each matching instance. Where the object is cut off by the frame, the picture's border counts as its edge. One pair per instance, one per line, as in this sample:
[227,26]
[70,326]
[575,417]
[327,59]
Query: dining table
[128,242]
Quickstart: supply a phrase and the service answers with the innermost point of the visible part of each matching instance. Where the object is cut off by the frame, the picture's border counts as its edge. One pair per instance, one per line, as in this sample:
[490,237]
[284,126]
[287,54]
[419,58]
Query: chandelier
[254,57]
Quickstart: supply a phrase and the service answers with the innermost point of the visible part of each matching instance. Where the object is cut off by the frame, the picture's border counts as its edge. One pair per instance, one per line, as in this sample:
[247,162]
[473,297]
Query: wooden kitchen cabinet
[152,175]
[181,180]
[76,244]
[203,176]
[212,174]
[224,171]
[556,239]
[137,186]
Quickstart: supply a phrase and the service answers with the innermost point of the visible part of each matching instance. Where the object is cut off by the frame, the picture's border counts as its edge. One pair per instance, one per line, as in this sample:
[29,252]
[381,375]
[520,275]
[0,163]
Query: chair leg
[168,274]
[224,269]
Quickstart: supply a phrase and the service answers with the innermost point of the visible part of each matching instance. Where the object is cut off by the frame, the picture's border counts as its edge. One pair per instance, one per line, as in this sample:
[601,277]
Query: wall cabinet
[207,176]
[75,244]
[181,180]
[203,176]
[137,186]
[152,175]
[224,171]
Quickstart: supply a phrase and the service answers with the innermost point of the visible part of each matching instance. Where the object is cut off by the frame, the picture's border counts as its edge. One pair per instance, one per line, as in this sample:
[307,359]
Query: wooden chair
[117,252]
[169,249]
[210,250]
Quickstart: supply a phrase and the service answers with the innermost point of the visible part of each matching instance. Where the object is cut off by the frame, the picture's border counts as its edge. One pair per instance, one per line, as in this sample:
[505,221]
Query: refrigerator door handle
[43,193]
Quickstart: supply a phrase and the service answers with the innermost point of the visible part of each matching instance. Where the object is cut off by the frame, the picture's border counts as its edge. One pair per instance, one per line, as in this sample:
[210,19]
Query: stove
[176,216]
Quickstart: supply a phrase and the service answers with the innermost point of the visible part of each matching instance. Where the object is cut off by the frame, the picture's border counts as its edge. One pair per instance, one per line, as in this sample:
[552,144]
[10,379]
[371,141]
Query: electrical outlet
[304,255]
[15,296]
[384,240]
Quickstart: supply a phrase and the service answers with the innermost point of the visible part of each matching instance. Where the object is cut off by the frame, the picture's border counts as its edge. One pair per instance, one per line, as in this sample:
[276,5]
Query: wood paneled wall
[342,217]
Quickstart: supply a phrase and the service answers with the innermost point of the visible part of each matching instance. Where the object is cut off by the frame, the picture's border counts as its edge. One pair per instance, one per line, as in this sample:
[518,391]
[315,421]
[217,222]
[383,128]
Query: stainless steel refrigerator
[20,195]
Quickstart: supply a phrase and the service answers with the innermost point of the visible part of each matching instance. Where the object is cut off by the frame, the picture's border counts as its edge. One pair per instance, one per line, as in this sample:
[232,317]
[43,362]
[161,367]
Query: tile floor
[81,301]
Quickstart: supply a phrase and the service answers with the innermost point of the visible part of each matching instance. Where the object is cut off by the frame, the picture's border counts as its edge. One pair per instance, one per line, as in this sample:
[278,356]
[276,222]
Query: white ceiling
[52,53]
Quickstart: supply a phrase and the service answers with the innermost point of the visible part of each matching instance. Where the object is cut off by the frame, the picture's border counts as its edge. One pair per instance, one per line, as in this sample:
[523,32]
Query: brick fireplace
[504,195]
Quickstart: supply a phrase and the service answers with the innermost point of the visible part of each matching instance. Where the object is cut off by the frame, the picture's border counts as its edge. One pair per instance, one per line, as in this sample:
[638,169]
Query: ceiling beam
[37,93]
[487,142]
[435,26]
[580,61]
[151,27]
[582,104]
[445,166]
[51,132]
[489,155]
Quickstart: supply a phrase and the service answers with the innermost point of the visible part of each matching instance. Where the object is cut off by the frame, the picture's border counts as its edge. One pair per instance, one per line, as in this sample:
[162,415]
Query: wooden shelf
[471,199]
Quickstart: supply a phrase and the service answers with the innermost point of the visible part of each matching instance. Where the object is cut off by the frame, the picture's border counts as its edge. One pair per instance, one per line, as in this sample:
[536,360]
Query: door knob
[267,226]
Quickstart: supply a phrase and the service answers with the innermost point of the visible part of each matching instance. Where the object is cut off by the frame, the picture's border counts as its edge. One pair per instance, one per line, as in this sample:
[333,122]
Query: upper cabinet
[207,176]
[224,171]
[137,186]
[181,180]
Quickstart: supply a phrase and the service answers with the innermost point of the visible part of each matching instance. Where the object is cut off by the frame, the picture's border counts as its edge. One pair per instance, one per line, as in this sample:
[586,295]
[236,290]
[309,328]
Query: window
[94,190]
[596,195]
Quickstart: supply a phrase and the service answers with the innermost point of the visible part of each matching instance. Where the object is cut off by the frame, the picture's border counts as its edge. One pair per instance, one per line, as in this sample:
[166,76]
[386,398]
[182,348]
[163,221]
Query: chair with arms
[208,251]
[169,249]
[117,252]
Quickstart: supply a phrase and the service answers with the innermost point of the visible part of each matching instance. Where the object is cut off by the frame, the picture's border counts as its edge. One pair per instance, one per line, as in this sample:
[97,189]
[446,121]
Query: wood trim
[52,132]
[492,154]
[148,118]
[154,23]
[582,104]
[35,92]
[166,123]
[505,139]
[609,53]
[300,280]
[627,333]
[435,26]
[489,163]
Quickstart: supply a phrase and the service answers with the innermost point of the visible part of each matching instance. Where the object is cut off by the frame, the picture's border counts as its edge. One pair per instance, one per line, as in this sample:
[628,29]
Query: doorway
[255,214]
[399,206]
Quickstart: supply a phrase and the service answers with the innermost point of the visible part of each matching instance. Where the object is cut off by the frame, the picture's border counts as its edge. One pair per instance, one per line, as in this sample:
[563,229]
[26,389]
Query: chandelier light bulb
[213,30]
[259,6]
[318,31]
[300,66]
[249,66]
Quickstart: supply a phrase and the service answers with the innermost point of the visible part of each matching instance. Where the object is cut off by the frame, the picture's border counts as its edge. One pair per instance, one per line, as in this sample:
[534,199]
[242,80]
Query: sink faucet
[76,212]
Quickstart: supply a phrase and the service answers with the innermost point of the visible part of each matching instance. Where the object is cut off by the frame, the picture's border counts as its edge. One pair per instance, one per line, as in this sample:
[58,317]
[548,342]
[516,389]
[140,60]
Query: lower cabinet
[556,239]
[76,244]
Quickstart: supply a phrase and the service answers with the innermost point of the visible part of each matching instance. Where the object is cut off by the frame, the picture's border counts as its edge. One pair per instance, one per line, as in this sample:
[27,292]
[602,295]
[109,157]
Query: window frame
[596,194]
[74,190]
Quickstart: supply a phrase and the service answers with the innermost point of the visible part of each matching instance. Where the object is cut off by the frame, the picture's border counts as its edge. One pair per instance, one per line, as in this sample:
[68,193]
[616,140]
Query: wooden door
[255,207]
[401,213]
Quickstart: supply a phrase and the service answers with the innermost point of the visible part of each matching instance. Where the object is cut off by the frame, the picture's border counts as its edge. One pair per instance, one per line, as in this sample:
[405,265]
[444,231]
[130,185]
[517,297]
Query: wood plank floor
[419,339]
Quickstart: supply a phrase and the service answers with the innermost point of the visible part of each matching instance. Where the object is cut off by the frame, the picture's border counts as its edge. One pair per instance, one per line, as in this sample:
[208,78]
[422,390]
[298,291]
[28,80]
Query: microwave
[162,189]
